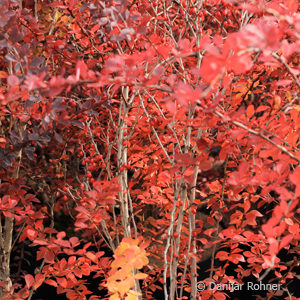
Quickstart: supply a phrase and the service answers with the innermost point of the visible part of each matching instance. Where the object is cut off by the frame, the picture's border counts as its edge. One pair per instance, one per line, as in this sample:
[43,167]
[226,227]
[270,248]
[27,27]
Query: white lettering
[225,287]
[262,286]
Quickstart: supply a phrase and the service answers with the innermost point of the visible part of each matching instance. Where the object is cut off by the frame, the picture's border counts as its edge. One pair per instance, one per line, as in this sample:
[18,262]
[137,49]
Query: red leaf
[51,282]
[211,67]
[61,235]
[74,241]
[92,257]
[273,248]
[39,279]
[202,144]
[189,171]
[31,234]
[262,108]
[95,28]
[185,94]
[239,63]
[247,205]
[81,70]
[209,231]
[12,80]
[40,242]
[184,160]
[250,111]
[7,214]
[294,229]
[219,296]
[170,105]
[163,50]
[62,282]
[236,258]
[29,280]
[222,255]
[251,217]
[285,241]
[49,256]
[3,74]
[295,179]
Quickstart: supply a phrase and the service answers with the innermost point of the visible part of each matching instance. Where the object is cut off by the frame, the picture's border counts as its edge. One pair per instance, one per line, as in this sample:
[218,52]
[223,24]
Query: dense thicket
[141,138]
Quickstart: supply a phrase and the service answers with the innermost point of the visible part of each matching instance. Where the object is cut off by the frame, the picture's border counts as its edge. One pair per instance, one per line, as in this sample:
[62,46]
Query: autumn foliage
[141,138]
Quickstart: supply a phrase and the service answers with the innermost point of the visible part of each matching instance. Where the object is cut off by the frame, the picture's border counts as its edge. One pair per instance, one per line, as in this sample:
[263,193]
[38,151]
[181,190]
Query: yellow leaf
[125,286]
[277,102]
[288,96]
[127,256]
[140,276]
[64,19]
[57,16]
[132,295]
[256,83]
[131,241]
[121,248]
[114,297]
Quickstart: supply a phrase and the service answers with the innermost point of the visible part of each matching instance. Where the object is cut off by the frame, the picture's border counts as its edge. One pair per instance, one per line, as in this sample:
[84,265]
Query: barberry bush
[139,138]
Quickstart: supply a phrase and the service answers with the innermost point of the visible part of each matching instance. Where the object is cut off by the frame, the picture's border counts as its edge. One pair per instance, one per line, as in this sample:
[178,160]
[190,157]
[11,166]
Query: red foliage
[127,119]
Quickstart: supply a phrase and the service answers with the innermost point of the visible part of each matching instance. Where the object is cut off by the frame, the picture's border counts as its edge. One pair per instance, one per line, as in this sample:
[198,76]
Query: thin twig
[281,60]
[155,133]
[283,149]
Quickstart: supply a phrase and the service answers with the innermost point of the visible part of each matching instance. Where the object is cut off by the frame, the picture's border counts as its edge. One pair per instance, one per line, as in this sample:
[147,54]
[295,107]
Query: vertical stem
[123,177]
[6,234]
[192,221]
[36,9]
[173,270]
[6,243]
[122,159]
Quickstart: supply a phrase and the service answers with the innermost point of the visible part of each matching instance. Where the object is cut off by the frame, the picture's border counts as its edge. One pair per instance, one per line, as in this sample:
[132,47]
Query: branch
[154,131]
[283,149]
[276,56]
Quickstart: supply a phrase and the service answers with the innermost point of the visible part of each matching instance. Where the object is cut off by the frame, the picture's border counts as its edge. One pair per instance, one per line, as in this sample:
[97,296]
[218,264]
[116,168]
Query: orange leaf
[140,276]
[3,74]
